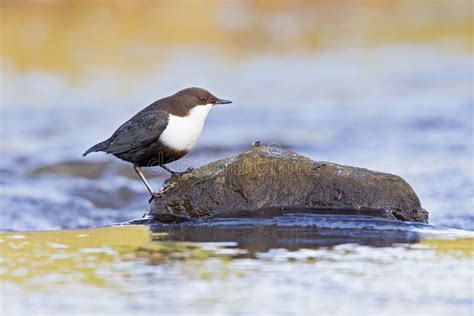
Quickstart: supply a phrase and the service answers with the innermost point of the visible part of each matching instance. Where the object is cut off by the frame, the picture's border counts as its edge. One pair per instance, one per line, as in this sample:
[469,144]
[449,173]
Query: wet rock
[72,168]
[270,178]
[109,199]
[91,170]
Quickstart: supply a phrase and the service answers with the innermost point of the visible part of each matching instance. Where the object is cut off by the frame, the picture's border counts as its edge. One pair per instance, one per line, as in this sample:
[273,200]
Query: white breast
[182,133]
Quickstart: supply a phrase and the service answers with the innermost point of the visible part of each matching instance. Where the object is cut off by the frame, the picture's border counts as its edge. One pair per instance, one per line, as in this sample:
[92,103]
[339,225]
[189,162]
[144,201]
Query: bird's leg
[174,174]
[142,177]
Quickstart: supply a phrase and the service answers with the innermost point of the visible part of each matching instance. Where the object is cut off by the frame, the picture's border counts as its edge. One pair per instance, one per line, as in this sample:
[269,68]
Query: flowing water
[405,106]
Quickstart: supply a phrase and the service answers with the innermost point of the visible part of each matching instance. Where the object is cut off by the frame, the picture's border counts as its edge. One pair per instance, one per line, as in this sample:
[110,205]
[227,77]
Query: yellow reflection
[73,255]
[462,247]
[44,260]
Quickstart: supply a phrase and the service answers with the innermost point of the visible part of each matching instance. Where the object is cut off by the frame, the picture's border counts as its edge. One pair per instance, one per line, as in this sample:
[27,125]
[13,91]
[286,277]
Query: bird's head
[198,96]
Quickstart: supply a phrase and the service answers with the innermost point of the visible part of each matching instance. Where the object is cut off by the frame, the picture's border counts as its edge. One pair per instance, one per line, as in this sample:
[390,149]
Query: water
[364,93]
[412,118]
[86,271]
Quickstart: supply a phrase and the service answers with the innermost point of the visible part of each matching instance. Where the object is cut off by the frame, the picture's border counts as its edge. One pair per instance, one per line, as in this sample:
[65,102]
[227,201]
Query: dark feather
[102,146]
[142,129]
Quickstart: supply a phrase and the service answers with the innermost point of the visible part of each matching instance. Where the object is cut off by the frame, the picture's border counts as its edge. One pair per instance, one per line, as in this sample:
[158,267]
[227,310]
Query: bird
[161,133]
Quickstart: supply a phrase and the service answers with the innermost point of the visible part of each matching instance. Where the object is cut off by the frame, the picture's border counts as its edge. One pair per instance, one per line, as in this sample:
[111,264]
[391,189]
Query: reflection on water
[96,269]
[38,261]
[31,259]
[293,231]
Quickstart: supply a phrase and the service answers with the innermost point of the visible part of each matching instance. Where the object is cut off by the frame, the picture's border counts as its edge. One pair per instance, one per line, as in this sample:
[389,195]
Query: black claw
[176,174]
[154,196]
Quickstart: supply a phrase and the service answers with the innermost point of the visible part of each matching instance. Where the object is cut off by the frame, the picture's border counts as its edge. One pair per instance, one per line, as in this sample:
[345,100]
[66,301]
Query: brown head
[183,101]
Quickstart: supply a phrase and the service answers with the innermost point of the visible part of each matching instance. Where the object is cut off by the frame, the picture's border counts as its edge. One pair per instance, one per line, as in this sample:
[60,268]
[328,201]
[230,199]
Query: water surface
[123,270]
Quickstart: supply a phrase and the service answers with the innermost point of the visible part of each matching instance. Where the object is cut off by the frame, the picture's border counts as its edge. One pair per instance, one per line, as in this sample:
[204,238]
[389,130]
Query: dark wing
[140,130]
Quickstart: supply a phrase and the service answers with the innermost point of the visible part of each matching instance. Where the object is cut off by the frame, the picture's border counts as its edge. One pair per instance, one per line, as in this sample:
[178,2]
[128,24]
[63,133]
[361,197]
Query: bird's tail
[102,146]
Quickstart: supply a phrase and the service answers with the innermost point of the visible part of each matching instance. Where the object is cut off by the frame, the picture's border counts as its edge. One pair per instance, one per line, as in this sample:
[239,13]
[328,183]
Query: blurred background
[386,85]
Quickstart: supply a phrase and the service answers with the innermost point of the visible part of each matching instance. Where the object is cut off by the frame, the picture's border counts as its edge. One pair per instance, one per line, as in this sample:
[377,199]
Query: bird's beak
[221,101]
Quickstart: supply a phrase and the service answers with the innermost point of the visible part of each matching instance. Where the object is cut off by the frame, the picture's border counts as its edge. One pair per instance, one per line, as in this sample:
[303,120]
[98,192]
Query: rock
[91,170]
[268,179]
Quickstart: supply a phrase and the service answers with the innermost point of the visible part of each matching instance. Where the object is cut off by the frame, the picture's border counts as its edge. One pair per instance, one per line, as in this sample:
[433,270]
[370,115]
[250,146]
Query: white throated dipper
[163,132]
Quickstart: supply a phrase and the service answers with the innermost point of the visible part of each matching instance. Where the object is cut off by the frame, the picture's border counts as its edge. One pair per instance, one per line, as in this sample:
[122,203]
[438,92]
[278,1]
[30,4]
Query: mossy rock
[268,179]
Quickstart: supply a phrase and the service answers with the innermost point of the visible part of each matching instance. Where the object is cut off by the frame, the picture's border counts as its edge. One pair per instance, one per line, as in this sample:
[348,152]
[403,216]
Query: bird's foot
[157,195]
[177,174]
[188,170]
[154,195]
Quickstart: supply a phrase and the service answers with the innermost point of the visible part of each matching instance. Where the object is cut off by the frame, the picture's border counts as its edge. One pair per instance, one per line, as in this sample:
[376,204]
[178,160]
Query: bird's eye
[202,99]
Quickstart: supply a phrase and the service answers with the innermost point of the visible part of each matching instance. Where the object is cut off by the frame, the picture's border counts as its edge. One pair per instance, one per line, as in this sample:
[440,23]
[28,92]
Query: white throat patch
[182,133]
